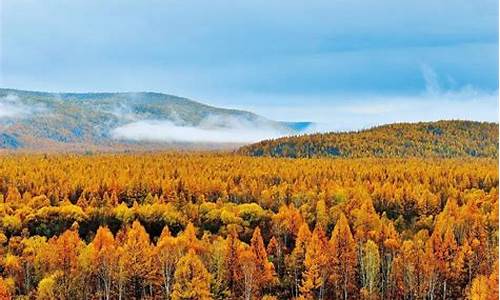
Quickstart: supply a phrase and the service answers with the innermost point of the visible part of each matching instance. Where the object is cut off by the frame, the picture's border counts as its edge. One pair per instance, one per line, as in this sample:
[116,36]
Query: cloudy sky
[345,64]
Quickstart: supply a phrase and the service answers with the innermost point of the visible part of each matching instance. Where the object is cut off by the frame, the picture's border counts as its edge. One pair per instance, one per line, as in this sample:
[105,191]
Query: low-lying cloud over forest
[213,129]
[11,107]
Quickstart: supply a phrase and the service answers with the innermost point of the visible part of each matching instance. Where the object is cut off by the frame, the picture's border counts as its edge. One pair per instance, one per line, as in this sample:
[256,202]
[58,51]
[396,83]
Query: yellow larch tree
[343,259]
[317,266]
[192,280]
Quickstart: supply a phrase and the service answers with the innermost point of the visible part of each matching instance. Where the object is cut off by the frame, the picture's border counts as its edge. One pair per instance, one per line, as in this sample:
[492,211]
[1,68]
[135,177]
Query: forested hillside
[110,121]
[424,139]
[213,226]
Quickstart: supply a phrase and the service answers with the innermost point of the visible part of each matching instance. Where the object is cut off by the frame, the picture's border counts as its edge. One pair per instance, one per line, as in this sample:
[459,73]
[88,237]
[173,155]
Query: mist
[213,129]
[12,107]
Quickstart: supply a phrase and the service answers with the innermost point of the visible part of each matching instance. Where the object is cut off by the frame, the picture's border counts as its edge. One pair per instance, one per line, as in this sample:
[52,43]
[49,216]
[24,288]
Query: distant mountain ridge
[424,139]
[38,120]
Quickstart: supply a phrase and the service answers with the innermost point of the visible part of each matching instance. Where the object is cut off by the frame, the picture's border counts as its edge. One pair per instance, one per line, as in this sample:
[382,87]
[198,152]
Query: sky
[344,64]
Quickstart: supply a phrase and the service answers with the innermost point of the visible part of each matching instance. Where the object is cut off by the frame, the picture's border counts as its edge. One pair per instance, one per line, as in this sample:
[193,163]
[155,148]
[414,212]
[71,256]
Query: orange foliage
[164,225]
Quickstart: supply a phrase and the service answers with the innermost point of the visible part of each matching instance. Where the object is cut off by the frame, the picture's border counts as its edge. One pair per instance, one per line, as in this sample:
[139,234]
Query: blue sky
[345,64]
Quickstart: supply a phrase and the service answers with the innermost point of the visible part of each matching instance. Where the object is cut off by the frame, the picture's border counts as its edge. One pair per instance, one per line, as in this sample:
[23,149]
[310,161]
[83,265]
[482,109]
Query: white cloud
[431,79]
[11,107]
[354,112]
[372,108]
[213,129]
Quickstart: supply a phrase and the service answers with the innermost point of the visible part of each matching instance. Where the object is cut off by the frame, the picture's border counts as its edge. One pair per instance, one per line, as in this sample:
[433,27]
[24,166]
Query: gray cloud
[299,61]
[248,46]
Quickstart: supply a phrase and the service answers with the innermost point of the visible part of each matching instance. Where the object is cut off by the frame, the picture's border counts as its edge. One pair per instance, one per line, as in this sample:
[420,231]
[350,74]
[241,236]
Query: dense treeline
[218,226]
[446,139]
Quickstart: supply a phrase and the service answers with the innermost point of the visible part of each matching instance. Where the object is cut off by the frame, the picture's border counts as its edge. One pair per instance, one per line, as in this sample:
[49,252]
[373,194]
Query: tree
[31,248]
[4,290]
[13,195]
[47,288]
[137,260]
[234,249]
[276,251]
[191,279]
[315,276]
[388,247]
[445,252]
[188,240]
[249,273]
[265,269]
[62,257]
[343,258]
[296,260]
[12,268]
[104,260]
[322,218]
[371,265]
[485,287]
[493,281]
[168,253]
[218,269]
[480,289]
[286,222]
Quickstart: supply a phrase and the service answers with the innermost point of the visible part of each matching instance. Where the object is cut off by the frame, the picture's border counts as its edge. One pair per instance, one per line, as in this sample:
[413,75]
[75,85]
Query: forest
[225,226]
[445,139]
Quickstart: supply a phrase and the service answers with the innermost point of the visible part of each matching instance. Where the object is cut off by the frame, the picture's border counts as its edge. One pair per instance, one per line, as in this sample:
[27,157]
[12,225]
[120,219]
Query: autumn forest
[225,226]
[249,150]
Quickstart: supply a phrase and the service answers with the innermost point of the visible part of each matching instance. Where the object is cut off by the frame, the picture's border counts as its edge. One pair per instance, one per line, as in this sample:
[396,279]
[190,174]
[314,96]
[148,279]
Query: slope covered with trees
[72,121]
[214,226]
[425,139]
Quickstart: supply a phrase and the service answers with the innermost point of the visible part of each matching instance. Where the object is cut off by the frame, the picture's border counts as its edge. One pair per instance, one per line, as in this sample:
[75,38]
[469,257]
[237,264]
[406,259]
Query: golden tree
[4,290]
[249,274]
[265,269]
[136,260]
[62,257]
[191,279]
[296,260]
[104,260]
[480,289]
[317,261]
[343,258]
[167,253]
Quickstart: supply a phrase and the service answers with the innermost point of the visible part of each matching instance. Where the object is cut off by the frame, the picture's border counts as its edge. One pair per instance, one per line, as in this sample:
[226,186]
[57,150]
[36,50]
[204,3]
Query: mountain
[41,120]
[424,139]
